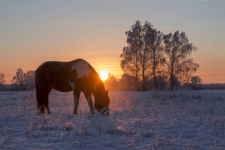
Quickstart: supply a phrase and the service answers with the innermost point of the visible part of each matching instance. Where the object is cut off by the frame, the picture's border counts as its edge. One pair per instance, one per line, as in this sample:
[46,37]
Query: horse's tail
[39,98]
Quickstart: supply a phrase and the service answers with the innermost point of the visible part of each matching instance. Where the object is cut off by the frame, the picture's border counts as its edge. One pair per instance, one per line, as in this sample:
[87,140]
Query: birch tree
[153,46]
[130,62]
[144,52]
[177,49]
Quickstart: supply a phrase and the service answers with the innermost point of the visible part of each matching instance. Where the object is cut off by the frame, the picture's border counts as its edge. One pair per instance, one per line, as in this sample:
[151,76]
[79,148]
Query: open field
[138,120]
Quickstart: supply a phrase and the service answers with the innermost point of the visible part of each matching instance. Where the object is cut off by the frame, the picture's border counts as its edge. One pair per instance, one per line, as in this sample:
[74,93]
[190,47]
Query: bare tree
[2,81]
[23,81]
[18,80]
[144,53]
[177,48]
[130,56]
[30,80]
[153,45]
[196,82]
[2,78]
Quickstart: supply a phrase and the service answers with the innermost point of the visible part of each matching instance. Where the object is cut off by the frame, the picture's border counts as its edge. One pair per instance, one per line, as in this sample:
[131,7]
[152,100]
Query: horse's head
[102,101]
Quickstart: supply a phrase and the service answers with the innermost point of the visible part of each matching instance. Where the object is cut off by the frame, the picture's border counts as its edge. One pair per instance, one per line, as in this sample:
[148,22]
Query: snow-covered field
[138,120]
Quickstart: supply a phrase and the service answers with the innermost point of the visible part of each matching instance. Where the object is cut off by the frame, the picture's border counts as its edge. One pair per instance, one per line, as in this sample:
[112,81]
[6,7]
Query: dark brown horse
[77,76]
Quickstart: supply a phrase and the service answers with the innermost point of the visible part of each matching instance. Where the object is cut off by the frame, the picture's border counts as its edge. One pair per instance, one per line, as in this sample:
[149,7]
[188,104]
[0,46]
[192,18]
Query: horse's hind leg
[42,92]
[40,104]
[47,102]
[76,96]
[45,95]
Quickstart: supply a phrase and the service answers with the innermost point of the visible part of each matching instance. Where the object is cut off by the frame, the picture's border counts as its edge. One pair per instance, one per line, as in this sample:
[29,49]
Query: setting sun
[103,75]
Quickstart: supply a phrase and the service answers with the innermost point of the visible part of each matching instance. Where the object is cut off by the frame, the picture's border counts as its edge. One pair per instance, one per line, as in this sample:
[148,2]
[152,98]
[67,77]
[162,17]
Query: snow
[138,120]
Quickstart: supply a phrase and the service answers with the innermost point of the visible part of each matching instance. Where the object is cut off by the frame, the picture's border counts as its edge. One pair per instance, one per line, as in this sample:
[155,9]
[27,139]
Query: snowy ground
[138,120]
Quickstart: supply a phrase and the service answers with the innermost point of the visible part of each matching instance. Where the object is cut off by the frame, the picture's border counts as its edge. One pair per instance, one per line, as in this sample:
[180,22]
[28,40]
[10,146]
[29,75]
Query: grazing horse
[77,76]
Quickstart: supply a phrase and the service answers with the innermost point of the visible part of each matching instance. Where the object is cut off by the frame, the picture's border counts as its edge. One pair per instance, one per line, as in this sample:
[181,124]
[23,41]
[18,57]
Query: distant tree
[177,48]
[112,83]
[23,81]
[130,56]
[2,78]
[19,78]
[2,81]
[30,80]
[196,82]
[127,82]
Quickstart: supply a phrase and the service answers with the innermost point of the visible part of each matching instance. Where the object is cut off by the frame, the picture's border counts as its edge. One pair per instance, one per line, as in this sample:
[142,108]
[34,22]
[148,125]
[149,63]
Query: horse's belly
[62,87]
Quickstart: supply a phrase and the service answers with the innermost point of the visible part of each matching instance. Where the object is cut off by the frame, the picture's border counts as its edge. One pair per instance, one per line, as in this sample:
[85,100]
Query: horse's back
[60,75]
[54,67]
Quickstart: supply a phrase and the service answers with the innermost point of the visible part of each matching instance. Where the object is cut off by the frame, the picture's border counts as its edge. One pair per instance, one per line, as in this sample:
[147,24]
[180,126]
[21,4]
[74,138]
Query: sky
[32,32]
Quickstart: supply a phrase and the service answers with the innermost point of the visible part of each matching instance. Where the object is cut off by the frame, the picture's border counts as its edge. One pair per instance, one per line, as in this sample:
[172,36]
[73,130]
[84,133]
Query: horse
[76,76]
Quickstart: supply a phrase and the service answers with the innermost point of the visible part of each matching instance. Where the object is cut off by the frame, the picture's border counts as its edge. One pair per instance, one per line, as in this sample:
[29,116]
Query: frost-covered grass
[138,120]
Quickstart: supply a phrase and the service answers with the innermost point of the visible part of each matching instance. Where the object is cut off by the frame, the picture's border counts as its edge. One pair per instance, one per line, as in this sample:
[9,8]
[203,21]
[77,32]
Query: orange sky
[32,32]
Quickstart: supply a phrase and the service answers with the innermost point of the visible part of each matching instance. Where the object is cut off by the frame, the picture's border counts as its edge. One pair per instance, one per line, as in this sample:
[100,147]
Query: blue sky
[32,32]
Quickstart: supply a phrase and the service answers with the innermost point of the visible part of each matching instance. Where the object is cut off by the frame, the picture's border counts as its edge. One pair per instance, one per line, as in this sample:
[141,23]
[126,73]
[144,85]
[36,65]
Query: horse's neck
[99,90]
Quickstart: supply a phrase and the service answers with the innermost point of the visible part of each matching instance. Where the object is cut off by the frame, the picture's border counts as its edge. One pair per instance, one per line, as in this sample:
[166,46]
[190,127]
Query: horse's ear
[107,92]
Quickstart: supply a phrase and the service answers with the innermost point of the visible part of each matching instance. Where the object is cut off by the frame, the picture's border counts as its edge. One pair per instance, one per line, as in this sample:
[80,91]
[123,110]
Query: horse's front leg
[89,100]
[76,96]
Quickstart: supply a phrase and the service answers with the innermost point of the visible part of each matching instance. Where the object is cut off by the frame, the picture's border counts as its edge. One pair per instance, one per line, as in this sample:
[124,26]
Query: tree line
[25,82]
[162,60]
[20,82]
[127,83]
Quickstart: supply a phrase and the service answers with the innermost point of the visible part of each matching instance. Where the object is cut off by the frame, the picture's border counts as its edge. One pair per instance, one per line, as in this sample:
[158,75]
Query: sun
[103,75]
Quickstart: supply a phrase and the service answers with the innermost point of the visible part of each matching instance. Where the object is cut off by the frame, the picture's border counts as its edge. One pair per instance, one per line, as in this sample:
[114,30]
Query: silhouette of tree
[19,78]
[23,81]
[30,80]
[2,81]
[177,48]
[127,82]
[130,56]
[196,82]
[144,53]
[152,41]
[2,78]
[144,56]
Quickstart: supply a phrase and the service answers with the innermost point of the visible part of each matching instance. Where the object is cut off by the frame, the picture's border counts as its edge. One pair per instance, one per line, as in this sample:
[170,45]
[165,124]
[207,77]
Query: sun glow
[103,75]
